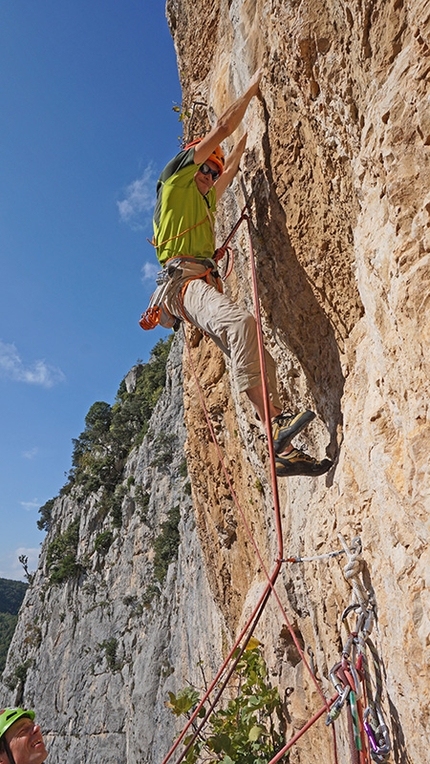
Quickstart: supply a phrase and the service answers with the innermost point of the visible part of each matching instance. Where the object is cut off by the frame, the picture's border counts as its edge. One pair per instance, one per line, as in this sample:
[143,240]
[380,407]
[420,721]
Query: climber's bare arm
[228,122]
[231,168]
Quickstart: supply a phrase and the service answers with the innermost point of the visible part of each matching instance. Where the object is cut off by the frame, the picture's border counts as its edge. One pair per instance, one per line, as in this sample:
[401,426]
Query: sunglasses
[206,170]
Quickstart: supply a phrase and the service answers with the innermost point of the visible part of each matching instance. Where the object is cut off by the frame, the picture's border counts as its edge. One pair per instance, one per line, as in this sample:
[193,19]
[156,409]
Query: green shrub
[183,468]
[164,446]
[44,522]
[61,555]
[18,676]
[103,542]
[151,592]
[110,646]
[246,728]
[166,544]
[142,498]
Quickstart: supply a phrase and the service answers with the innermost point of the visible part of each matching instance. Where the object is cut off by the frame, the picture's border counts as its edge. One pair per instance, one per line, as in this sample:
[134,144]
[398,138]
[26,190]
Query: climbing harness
[177,273]
[172,283]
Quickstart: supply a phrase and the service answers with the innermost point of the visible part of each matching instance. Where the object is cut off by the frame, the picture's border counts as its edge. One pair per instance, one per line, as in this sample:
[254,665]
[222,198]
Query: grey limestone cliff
[95,655]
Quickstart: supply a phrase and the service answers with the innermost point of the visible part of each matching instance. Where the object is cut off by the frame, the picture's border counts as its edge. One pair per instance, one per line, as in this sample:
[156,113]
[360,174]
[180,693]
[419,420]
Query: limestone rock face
[337,173]
[337,170]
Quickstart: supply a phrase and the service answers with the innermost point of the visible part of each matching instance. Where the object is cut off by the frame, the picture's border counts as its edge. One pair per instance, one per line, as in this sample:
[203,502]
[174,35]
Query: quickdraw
[353,679]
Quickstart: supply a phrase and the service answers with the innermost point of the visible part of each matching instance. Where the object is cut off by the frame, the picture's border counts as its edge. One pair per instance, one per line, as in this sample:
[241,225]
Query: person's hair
[2,746]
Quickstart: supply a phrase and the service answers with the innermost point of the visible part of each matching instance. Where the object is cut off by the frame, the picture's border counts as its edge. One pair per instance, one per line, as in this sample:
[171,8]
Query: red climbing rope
[250,626]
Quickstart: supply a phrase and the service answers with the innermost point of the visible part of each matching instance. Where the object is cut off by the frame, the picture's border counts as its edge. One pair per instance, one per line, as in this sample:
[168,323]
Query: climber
[187,192]
[21,740]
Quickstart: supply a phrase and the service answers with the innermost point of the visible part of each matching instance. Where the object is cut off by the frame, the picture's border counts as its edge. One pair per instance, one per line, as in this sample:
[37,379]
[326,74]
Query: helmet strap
[8,751]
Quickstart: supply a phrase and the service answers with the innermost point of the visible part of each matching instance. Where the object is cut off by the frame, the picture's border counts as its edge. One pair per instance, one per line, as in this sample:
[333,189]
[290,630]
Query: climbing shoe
[286,426]
[299,463]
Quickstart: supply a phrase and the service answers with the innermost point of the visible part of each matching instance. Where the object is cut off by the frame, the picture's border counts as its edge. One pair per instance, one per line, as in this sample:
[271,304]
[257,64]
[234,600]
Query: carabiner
[378,752]
[343,692]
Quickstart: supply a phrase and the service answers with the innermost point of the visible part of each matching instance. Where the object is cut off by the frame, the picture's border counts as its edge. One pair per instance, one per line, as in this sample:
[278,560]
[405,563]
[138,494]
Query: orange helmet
[217,156]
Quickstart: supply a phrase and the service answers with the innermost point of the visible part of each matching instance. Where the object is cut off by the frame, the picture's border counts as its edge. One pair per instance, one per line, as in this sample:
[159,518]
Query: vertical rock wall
[338,169]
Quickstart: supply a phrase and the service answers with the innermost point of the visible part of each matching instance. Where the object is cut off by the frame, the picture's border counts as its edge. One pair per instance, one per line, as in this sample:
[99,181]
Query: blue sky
[87,89]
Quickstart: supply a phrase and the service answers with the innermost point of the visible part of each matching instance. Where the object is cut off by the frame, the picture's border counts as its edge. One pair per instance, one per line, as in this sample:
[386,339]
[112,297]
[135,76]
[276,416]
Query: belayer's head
[21,740]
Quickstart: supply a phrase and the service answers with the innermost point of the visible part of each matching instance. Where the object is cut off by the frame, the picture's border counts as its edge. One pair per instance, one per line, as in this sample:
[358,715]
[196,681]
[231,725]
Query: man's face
[204,182]
[25,742]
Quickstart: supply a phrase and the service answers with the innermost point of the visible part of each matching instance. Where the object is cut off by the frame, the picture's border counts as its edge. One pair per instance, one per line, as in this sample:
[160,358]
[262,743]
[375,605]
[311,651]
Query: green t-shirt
[183,217]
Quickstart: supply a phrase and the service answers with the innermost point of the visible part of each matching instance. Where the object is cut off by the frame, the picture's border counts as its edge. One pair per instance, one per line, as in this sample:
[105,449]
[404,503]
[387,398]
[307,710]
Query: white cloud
[149,271]
[10,566]
[37,373]
[29,505]
[139,200]
[31,453]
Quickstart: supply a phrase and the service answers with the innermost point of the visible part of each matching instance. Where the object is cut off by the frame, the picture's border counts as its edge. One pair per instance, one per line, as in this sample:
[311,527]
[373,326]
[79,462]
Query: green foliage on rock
[111,432]
[166,544]
[61,560]
[247,728]
[18,676]
[7,628]
[110,647]
[44,521]
[99,455]
[103,542]
[11,596]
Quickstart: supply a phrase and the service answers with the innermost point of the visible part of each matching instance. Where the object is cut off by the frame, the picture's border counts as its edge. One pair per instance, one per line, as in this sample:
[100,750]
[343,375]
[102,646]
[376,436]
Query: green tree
[44,522]
[111,432]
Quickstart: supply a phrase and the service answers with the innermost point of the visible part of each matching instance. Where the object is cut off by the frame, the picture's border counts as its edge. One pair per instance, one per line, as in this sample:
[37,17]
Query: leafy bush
[110,646]
[18,676]
[151,592]
[164,446]
[142,498]
[183,468]
[166,544]
[246,729]
[44,522]
[103,542]
[61,555]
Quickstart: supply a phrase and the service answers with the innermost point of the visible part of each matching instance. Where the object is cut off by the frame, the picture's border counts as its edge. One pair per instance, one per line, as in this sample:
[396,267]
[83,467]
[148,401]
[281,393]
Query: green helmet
[9,716]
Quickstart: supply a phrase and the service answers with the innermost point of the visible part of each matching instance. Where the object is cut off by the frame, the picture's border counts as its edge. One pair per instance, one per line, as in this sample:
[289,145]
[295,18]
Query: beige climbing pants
[233,329]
